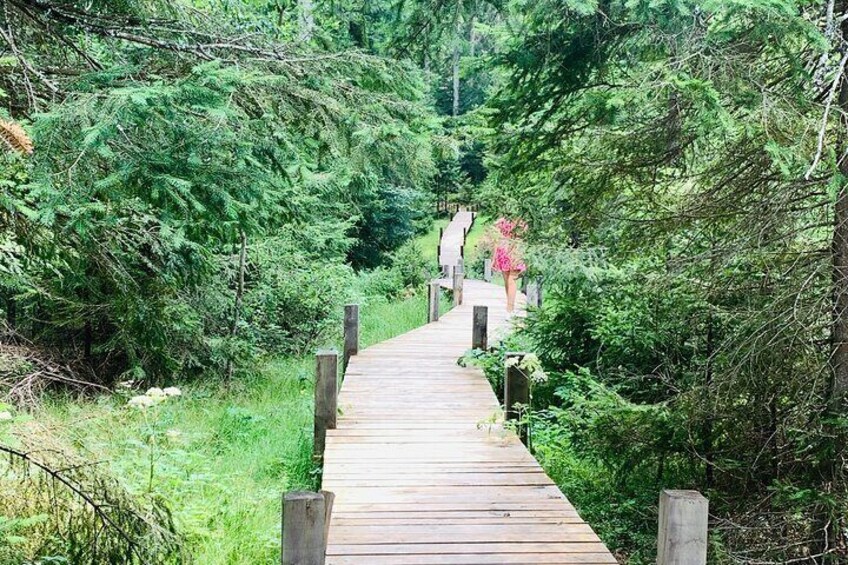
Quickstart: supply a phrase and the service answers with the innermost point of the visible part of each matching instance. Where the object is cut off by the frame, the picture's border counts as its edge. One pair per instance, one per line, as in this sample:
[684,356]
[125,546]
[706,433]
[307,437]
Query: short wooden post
[304,527]
[539,292]
[480,328]
[458,277]
[684,516]
[326,398]
[433,296]
[487,270]
[351,332]
[439,253]
[329,500]
[516,391]
[534,293]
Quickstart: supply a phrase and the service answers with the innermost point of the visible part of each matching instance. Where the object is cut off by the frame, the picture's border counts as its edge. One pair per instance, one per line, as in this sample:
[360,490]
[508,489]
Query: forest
[191,191]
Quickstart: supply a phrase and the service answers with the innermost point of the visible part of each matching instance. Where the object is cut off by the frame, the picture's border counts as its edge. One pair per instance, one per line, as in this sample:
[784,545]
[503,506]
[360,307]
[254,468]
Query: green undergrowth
[429,242]
[219,454]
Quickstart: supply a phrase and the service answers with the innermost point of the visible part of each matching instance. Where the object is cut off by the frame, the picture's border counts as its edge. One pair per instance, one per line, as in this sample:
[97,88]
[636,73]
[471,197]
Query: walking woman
[508,256]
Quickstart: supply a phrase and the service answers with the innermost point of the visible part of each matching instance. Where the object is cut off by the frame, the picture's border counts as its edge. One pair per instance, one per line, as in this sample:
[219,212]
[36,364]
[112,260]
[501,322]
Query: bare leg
[511,287]
[506,286]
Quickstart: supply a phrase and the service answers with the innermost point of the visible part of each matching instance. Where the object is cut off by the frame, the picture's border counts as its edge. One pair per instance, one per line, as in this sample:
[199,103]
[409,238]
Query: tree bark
[472,35]
[11,313]
[455,66]
[306,16]
[455,112]
[839,264]
[239,296]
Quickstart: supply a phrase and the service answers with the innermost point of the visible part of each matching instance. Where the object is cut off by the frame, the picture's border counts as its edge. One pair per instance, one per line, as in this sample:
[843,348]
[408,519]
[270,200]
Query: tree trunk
[11,313]
[455,79]
[455,66]
[306,16]
[472,36]
[239,296]
[839,269]
[709,467]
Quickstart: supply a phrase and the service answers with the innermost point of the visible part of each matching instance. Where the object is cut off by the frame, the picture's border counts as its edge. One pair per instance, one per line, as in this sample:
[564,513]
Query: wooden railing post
[458,277]
[326,398]
[351,333]
[516,391]
[534,292]
[306,525]
[480,328]
[433,295]
[487,270]
[682,539]
[540,294]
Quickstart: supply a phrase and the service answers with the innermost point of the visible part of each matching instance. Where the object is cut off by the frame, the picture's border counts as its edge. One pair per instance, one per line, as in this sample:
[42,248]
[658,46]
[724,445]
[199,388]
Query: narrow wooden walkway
[422,470]
[454,237]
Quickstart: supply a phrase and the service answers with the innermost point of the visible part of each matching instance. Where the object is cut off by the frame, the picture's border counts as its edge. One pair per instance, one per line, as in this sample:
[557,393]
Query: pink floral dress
[507,255]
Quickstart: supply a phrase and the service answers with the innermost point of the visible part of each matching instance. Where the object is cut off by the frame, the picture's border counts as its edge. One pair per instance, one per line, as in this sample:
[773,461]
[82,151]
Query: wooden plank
[601,558]
[464,548]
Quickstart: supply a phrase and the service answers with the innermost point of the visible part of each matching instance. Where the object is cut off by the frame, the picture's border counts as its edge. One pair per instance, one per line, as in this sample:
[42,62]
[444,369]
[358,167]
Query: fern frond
[15,138]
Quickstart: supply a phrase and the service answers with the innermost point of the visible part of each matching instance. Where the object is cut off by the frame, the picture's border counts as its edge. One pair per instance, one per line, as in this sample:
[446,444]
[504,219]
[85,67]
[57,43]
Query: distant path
[420,477]
[453,238]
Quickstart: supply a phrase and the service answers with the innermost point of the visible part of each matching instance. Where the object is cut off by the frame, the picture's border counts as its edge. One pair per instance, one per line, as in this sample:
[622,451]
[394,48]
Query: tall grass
[221,456]
[430,241]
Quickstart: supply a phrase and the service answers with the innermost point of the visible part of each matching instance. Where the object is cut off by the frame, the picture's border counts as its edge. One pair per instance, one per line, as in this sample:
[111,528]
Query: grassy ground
[429,242]
[473,252]
[221,456]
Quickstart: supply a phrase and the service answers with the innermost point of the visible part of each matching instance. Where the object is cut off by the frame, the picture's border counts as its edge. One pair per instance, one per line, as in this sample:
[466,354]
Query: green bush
[293,300]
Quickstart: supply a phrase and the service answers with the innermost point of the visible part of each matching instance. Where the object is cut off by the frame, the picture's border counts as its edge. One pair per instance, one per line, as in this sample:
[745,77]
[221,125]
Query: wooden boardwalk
[454,237]
[422,470]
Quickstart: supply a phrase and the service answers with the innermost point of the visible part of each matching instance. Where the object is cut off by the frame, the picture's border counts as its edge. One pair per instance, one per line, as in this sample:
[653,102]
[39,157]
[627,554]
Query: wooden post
[462,252]
[304,525]
[326,398]
[534,293]
[351,332]
[458,276]
[439,253]
[480,328]
[329,500]
[539,292]
[516,391]
[487,270]
[433,301]
[682,539]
